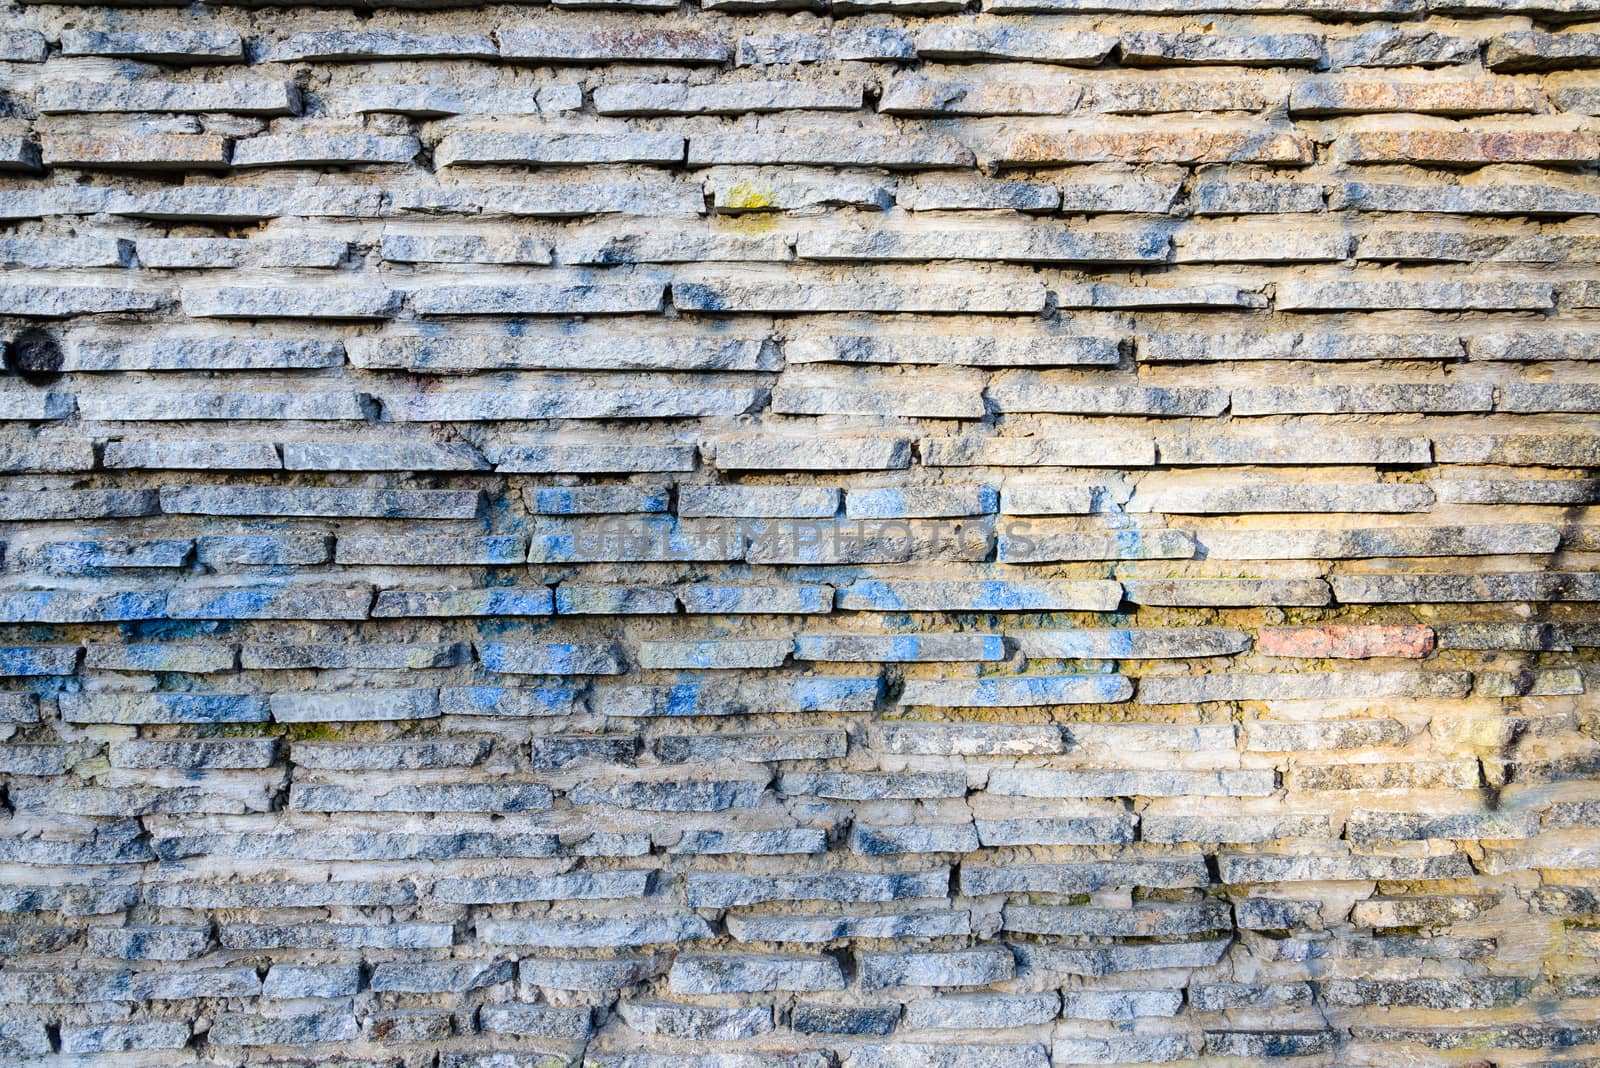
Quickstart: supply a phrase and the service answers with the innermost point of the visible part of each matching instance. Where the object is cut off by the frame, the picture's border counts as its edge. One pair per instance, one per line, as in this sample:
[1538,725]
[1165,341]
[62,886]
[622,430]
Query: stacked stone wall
[800,534]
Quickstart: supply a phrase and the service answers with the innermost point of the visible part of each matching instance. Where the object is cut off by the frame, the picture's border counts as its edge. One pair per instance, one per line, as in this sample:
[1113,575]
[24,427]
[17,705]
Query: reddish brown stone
[1461,148]
[1193,146]
[142,152]
[1346,643]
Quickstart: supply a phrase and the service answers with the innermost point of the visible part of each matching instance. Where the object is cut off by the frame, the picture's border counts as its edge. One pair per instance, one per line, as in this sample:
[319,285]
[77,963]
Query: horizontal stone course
[799,534]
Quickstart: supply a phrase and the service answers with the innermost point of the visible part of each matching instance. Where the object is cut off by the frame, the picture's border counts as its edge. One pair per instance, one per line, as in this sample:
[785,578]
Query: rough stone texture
[800,533]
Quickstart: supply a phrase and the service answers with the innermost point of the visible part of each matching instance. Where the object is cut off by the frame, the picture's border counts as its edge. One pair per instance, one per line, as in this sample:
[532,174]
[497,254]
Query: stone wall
[880,535]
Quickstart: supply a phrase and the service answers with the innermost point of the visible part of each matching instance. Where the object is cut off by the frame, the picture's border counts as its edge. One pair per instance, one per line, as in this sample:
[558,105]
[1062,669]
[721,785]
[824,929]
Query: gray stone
[1394,47]
[1018,691]
[25,46]
[1444,588]
[199,353]
[713,890]
[380,44]
[387,504]
[959,43]
[555,199]
[240,98]
[125,1037]
[1194,49]
[355,706]
[323,150]
[932,193]
[1107,450]
[1120,1006]
[570,887]
[241,1029]
[312,981]
[970,967]
[1285,497]
[438,976]
[667,98]
[390,756]
[558,148]
[702,973]
[282,302]
[588,658]
[162,708]
[166,407]
[941,1055]
[541,1021]
[695,1021]
[196,754]
[1498,199]
[1034,245]
[155,46]
[673,796]
[597,299]
[639,929]
[444,797]
[712,294]
[835,45]
[922,596]
[601,46]
[1143,920]
[840,454]
[811,1018]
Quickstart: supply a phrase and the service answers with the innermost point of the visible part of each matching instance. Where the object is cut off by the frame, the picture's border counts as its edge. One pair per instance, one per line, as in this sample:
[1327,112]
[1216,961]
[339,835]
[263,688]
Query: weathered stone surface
[919,596]
[557,149]
[696,973]
[291,303]
[1303,687]
[240,98]
[1195,49]
[549,376]
[158,46]
[645,45]
[1018,691]
[1193,147]
[1141,644]
[1462,149]
[1346,642]
[354,45]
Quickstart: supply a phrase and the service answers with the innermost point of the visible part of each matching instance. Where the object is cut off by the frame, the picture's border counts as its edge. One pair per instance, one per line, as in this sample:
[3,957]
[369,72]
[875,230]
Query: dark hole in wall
[35,355]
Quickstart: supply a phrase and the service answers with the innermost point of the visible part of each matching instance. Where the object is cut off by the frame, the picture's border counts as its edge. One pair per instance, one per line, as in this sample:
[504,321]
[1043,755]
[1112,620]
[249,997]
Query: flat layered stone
[238,98]
[291,303]
[954,43]
[1459,588]
[1267,497]
[1001,596]
[558,149]
[1346,642]
[148,152]
[1194,49]
[557,46]
[155,46]
[695,973]
[365,45]
[1150,643]
[717,295]
[1017,691]
[1191,147]
[1367,542]
[1034,245]
[1453,148]
[1308,686]
[1356,97]
[668,98]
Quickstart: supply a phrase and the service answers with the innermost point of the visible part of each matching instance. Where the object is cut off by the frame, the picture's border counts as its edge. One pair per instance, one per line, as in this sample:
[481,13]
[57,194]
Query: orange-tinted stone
[1346,642]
